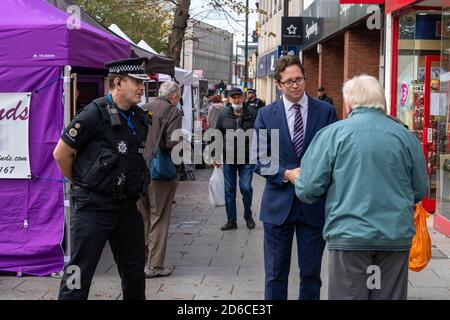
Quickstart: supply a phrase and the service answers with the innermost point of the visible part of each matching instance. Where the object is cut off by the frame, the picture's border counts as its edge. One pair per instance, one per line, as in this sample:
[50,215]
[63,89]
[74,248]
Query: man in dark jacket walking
[323,96]
[240,118]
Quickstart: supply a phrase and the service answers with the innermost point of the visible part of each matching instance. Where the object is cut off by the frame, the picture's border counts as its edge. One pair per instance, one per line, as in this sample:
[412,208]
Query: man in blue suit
[295,119]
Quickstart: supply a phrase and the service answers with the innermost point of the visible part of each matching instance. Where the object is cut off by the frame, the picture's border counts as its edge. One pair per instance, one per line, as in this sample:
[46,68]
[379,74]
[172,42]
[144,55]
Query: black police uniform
[109,175]
[256,103]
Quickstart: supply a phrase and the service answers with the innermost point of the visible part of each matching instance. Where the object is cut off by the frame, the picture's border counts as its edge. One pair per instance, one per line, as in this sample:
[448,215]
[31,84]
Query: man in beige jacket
[156,207]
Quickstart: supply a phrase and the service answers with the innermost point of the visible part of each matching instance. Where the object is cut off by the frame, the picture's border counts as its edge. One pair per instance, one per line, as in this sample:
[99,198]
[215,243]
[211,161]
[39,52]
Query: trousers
[230,172]
[368,275]
[277,256]
[156,209]
[95,220]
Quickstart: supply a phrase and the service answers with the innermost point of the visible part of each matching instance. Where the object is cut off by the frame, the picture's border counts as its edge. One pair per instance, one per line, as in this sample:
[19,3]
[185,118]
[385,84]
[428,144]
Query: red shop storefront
[420,87]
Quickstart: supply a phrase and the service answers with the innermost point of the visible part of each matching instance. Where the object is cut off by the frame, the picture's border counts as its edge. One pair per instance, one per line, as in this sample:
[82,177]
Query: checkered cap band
[130,68]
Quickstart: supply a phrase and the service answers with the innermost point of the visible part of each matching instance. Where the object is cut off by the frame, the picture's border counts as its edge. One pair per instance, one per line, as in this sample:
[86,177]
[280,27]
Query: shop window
[407,63]
[443,145]
[419,37]
[262,7]
[266,9]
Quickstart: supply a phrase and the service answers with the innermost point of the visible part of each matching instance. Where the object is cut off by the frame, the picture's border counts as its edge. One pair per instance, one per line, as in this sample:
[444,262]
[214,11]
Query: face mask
[236,107]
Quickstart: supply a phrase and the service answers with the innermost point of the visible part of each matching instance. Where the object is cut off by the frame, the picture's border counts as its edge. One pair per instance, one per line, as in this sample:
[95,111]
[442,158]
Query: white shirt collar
[288,104]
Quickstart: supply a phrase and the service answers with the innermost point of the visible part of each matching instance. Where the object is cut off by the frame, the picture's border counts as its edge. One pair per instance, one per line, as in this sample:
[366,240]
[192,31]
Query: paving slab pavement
[213,264]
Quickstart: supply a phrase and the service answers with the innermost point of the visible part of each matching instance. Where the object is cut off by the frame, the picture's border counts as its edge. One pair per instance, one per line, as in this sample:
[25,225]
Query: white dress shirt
[290,113]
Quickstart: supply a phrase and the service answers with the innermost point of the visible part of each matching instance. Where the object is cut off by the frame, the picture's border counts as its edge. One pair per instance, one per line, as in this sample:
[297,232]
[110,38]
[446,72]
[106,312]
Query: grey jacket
[157,107]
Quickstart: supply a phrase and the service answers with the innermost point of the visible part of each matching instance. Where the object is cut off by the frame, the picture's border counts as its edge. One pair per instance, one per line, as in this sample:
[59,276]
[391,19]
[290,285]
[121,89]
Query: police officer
[101,153]
[253,101]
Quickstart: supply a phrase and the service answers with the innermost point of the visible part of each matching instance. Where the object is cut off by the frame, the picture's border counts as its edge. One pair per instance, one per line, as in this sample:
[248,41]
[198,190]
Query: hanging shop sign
[291,31]
[198,74]
[298,30]
[323,18]
[14,151]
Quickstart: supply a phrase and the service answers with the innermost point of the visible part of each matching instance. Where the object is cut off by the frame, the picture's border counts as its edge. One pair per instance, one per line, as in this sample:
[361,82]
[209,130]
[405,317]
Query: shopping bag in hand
[420,253]
[217,188]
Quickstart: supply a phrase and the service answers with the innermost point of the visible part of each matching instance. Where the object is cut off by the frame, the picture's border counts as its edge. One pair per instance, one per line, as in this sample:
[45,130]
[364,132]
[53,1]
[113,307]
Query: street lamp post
[246,47]
[285,14]
[236,66]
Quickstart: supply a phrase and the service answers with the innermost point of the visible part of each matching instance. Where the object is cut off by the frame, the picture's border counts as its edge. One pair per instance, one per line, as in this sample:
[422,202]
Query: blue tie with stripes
[298,130]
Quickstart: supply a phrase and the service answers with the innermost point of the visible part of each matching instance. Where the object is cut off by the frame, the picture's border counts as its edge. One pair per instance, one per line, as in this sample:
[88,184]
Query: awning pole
[67,190]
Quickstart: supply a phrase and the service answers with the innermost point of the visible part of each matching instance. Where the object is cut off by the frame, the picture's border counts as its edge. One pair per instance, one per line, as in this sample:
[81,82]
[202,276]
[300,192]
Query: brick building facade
[336,45]
[334,61]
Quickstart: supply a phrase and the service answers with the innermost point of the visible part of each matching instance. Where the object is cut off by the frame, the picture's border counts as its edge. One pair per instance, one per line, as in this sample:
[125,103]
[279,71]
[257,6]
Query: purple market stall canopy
[35,33]
[36,41]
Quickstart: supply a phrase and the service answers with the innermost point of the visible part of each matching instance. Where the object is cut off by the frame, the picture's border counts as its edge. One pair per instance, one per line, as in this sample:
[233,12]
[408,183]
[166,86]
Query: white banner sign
[14,153]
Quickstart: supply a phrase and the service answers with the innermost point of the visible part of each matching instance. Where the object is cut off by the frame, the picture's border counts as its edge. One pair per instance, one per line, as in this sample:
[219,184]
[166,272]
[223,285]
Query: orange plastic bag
[420,253]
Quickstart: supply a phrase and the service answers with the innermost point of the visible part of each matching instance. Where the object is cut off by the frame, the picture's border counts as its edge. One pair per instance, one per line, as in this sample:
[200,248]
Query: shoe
[229,226]
[57,275]
[157,272]
[250,222]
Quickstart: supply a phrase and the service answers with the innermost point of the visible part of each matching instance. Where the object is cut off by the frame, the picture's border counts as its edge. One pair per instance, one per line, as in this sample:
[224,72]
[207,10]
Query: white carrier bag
[217,188]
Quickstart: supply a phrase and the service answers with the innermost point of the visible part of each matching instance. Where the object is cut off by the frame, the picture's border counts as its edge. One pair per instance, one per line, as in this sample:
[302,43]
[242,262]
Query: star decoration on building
[291,29]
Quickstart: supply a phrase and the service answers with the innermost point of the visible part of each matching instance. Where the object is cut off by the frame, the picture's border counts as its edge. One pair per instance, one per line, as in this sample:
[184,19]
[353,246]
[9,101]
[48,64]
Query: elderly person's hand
[292,175]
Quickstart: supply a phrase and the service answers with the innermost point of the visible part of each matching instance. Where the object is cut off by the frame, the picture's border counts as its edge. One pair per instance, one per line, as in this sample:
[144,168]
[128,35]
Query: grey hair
[168,89]
[364,91]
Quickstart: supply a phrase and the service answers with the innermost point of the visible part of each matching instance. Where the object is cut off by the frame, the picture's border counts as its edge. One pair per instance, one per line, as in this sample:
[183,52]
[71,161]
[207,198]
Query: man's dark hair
[287,61]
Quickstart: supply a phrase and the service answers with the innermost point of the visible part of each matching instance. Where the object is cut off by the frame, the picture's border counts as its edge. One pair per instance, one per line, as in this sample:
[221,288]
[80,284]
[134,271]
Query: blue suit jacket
[278,196]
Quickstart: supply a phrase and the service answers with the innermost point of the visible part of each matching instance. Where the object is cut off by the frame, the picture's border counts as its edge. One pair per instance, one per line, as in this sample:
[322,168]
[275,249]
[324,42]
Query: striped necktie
[298,130]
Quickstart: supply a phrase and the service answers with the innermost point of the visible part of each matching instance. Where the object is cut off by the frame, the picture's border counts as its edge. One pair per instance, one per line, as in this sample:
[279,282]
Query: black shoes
[233,225]
[229,226]
[250,222]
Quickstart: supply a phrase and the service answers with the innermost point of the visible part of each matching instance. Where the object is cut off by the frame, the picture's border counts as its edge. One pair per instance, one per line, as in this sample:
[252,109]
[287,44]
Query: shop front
[419,90]
[265,71]
[340,41]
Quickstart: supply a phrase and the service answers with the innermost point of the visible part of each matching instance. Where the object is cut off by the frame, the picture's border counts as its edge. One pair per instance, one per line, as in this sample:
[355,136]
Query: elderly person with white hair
[156,206]
[373,172]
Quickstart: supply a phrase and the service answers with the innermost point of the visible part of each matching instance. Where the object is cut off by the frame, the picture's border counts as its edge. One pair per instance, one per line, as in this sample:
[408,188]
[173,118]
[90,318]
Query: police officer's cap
[251,91]
[133,67]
